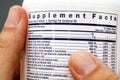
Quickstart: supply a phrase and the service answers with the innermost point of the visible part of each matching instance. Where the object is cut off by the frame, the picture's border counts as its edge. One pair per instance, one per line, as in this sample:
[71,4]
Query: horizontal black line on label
[74,31]
[73,39]
[88,24]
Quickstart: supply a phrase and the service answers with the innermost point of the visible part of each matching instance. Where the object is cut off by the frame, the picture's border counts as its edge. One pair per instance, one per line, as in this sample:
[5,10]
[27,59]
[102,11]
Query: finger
[12,41]
[85,66]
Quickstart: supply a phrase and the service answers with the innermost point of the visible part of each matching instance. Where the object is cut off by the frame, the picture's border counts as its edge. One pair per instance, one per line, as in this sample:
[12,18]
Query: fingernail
[82,63]
[13,17]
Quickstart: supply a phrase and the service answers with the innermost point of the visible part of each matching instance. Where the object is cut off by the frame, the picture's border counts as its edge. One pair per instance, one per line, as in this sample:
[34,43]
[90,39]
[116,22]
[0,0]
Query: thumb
[85,66]
[12,41]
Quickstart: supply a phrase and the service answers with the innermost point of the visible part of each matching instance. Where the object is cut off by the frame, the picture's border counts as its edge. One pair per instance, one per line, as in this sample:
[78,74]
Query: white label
[54,35]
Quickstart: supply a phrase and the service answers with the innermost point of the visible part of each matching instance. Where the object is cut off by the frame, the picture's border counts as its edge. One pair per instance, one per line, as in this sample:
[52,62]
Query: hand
[85,66]
[12,42]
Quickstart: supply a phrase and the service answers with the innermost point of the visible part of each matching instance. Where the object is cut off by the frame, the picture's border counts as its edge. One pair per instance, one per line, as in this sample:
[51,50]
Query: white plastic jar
[57,28]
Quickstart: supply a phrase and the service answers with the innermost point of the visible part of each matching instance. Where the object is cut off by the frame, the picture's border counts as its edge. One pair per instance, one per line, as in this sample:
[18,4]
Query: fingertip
[84,66]
[15,28]
[82,62]
[21,31]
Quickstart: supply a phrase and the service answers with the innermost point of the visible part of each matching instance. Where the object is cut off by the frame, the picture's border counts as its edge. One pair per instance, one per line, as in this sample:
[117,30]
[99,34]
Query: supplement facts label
[54,35]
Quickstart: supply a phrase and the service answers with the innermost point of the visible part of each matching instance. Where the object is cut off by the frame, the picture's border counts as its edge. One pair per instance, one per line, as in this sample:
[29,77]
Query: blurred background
[4,8]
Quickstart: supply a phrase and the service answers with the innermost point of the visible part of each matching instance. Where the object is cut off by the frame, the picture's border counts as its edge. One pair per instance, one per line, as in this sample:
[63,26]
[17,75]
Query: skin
[84,66]
[12,45]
